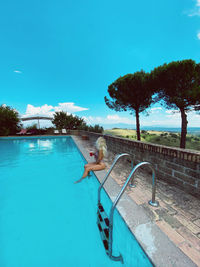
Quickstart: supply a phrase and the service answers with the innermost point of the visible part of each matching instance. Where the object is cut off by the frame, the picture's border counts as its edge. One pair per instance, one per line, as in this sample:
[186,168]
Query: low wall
[174,165]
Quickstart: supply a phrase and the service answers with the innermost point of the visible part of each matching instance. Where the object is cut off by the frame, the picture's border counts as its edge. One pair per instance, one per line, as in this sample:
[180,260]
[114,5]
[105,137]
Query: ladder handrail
[108,173]
[153,180]
[119,196]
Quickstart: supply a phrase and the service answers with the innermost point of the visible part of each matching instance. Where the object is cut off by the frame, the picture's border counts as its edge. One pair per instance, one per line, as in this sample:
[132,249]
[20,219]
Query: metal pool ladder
[104,223]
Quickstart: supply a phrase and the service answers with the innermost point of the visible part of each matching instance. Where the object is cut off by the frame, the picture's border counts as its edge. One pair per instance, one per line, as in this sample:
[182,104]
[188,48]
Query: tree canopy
[64,121]
[9,121]
[178,85]
[130,93]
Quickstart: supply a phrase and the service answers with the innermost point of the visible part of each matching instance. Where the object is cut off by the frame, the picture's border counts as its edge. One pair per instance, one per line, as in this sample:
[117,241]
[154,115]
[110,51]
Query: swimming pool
[46,219]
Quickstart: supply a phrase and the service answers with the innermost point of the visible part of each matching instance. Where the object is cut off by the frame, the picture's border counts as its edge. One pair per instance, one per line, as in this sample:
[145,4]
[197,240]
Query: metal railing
[111,168]
[152,202]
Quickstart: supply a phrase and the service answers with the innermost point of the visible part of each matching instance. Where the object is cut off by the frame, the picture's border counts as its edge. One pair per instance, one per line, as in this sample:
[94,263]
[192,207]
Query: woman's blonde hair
[101,145]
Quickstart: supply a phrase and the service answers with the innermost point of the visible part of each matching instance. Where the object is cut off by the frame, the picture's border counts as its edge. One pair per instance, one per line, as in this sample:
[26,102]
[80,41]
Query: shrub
[173,135]
[9,120]
[96,128]
[64,121]
[31,127]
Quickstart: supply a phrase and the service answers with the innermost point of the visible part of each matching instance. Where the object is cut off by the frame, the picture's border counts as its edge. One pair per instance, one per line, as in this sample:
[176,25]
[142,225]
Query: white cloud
[172,111]
[17,71]
[173,114]
[193,119]
[69,107]
[109,119]
[155,110]
[45,110]
[198,35]
[49,110]
[196,10]
[174,117]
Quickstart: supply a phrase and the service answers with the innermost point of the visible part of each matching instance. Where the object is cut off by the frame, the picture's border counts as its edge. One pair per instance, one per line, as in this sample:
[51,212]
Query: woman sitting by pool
[99,155]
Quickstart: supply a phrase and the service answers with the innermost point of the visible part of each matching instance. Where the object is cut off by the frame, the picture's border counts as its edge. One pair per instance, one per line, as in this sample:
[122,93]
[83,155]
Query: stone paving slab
[178,215]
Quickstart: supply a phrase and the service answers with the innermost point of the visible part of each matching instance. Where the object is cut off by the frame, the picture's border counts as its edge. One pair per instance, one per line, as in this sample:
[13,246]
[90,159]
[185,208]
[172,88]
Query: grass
[156,137]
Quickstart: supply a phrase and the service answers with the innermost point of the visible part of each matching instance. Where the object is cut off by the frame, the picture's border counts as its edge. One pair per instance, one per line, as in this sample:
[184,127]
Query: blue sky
[62,55]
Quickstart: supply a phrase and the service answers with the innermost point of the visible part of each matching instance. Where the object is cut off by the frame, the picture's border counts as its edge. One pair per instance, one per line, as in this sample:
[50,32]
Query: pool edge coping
[156,244]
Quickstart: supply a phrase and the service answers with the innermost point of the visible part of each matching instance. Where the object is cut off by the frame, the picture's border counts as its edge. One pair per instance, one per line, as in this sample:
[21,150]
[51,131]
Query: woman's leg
[89,164]
[92,167]
[97,167]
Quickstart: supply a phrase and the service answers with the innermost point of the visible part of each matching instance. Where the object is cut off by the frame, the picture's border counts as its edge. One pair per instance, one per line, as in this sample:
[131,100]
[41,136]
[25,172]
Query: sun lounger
[56,132]
[64,131]
[22,132]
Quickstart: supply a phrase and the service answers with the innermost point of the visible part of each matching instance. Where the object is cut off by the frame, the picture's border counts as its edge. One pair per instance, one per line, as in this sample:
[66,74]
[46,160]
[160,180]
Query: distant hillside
[191,130]
[167,138]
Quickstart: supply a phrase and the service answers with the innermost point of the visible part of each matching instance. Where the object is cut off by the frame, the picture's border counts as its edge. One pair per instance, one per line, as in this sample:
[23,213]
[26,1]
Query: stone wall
[174,165]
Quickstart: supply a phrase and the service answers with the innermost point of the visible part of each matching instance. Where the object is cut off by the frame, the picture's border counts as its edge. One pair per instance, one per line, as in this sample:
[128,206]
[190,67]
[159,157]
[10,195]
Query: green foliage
[130,93]
[178,86]
[84,127]
[64,121]
[173,135]
[161,138]
[164,134]
[9,121]
[32,127]
[96,129]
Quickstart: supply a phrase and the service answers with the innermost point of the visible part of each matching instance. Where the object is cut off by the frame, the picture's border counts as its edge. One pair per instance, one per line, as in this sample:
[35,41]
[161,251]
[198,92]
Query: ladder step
[106,221]
[103,224]
[105,242]
[99,225]
[101,208]
[106,232]
[100,218]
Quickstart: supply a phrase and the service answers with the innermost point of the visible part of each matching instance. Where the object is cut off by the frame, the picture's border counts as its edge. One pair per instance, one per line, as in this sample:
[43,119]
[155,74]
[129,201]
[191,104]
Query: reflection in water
[15,150]
[44,144]
[31,145]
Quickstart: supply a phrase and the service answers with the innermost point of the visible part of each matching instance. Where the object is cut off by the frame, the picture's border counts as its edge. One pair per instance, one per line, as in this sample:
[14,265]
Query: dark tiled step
[100,229]
[106,221]
[106,232]
[100,218]
[101,208]
[105,242]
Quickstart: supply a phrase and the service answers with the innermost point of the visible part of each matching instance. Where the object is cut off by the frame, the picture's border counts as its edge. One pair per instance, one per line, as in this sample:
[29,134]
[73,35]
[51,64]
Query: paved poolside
[178,215]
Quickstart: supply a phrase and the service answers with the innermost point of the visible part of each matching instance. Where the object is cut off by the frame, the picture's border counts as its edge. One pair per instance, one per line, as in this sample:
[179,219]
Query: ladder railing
[152,202]
[110,170]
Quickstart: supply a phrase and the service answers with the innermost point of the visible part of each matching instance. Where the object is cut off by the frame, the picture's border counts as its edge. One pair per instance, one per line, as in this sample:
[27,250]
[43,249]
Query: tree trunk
[184,123]
[137,125]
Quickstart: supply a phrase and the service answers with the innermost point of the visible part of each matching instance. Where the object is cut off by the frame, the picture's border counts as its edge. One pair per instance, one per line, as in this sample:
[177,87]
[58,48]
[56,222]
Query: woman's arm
[100,156]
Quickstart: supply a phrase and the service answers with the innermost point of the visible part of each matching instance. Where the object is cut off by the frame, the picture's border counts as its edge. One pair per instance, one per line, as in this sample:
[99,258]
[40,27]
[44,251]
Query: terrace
[178,214]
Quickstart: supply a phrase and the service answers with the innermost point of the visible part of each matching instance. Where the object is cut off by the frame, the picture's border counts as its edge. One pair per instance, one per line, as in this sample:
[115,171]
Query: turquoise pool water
[45,219]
